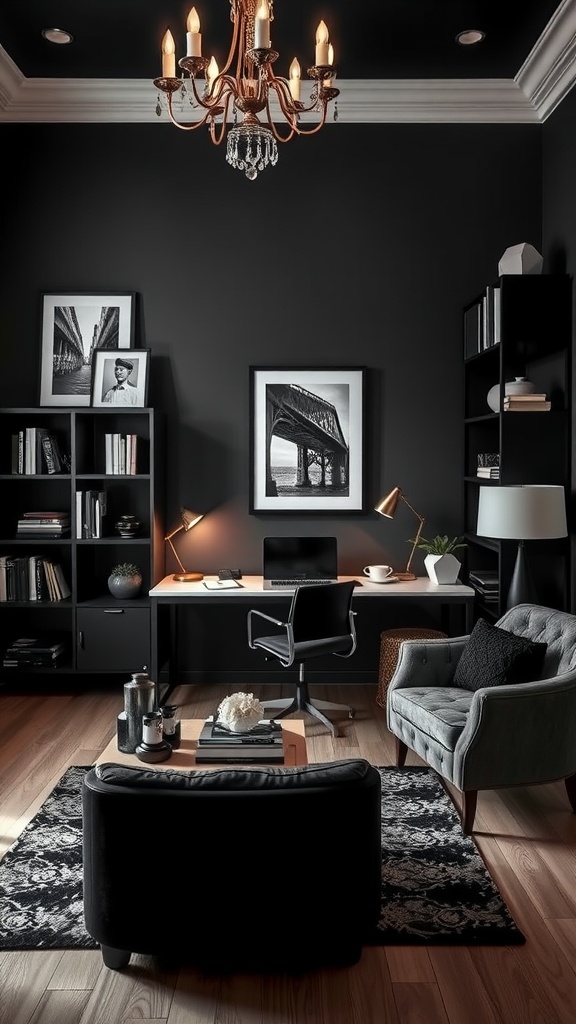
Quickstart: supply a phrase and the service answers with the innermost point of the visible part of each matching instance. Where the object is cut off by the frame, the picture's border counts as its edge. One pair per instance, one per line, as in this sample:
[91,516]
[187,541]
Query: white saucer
[389,579]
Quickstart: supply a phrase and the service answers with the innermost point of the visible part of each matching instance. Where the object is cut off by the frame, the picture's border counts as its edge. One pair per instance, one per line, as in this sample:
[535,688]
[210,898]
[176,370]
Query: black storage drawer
[113,639]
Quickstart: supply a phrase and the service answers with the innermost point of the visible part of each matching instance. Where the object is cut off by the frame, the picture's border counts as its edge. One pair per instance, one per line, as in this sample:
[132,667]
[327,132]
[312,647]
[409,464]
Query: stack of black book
[34,652]
[485,583]
[262,745]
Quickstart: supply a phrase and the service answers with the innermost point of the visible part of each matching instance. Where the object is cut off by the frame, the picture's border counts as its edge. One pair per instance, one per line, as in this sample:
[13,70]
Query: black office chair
[320,622]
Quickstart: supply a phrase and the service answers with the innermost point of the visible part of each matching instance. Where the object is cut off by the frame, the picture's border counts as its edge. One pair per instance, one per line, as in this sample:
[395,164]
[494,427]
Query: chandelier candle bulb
[328,82]
[294,82]
[212,72]
[168,55]
[321,58]
[193,37]
[262,27]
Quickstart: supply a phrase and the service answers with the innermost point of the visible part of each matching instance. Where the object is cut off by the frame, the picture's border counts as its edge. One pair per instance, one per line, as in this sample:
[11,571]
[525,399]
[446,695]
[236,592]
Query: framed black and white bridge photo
[307,439]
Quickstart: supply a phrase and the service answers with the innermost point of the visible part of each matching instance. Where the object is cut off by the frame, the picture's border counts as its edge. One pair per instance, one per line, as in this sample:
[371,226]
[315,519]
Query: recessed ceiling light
[470,36]
[57,35]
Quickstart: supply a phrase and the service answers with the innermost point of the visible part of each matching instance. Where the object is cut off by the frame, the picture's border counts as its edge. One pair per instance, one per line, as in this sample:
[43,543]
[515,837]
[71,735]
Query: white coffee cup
[378,573]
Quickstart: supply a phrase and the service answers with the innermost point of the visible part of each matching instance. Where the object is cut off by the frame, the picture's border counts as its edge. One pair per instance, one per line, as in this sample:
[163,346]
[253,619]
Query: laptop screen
[300,558]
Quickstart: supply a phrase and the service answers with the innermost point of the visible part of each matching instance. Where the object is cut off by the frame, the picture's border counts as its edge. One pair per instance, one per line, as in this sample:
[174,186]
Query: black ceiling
[379,39]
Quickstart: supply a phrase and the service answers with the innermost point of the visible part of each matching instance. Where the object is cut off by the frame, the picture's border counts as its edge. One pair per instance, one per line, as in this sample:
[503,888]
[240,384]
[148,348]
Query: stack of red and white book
[43,524]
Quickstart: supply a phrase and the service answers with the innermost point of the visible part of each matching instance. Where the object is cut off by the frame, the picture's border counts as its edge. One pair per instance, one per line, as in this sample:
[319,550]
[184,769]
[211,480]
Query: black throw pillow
[494,656]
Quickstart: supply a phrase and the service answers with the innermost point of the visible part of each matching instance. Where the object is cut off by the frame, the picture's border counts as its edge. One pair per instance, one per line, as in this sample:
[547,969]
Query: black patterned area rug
[435,887]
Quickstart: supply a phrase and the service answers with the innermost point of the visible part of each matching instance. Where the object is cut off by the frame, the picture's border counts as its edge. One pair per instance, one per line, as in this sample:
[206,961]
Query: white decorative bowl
[518,386]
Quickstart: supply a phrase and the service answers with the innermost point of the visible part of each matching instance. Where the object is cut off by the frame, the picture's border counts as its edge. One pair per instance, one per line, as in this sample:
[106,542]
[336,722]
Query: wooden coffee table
[293,737]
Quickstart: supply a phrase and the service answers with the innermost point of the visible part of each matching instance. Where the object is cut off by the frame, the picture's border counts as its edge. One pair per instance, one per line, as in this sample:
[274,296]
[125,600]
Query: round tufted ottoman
[390,641]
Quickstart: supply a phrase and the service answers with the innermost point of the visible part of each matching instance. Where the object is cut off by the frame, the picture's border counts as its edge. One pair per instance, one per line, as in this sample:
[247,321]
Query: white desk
[169,592]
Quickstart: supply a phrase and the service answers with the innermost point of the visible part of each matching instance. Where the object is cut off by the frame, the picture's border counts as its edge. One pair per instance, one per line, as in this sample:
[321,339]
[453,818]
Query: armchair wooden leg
[401,751]
[469,801]
[570,784]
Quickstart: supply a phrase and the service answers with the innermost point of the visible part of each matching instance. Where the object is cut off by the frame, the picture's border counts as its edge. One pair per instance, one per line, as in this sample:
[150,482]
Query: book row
[36,450]
[32,578]
[121,454]
[90,512]
[482,323]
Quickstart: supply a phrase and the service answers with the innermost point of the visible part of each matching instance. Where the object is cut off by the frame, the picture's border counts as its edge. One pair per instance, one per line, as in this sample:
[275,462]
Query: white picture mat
[343,387]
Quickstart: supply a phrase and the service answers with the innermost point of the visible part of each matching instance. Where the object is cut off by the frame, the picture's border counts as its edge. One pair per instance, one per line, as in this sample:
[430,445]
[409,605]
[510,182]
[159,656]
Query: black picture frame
[134,391]
[74,326]
[325,405]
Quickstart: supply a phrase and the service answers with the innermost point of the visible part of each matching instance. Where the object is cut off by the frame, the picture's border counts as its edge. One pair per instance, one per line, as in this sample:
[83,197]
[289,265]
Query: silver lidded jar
[139,700]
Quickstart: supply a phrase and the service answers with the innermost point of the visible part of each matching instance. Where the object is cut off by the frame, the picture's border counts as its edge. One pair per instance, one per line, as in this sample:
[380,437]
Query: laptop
[290,562]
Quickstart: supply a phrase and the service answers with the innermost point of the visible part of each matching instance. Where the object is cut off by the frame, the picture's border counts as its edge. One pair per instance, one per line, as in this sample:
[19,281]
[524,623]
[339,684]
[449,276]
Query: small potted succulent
[441,564]
[125,581]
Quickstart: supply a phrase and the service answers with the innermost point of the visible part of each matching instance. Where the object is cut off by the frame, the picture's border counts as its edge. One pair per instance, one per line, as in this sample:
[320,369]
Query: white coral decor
[240,712]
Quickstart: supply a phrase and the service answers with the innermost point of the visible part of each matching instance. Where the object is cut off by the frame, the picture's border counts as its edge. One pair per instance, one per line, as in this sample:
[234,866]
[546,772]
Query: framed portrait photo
[74,328]
[121,378]
[307,439]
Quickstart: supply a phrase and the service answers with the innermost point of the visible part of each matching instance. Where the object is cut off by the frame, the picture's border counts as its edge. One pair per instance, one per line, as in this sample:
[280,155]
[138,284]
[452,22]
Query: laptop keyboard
[297,583]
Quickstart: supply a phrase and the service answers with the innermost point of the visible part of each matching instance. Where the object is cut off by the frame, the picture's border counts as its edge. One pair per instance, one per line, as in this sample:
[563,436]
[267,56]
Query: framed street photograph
[121,378]
[74,327]
[307,439]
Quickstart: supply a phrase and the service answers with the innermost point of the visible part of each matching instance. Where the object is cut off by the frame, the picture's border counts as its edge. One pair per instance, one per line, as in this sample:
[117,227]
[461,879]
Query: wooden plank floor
[527,838]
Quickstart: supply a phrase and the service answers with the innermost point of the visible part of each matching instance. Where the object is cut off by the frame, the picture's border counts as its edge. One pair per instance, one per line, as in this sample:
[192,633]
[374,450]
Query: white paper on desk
[221,584]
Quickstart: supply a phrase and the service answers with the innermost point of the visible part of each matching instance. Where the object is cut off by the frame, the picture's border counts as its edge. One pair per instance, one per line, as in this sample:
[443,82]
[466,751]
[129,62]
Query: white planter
[442,568]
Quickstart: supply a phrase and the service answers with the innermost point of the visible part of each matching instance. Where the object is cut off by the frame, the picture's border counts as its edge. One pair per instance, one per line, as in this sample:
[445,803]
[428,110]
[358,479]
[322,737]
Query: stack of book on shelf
[120,454]
[262,745]
[43,524]
[488,465]
[526,403]
[485,583]
[32,578]
[34,652]
[35,450]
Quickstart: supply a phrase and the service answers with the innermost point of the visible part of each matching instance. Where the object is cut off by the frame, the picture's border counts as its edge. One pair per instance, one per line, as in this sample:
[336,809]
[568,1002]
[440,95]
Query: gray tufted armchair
[519,733]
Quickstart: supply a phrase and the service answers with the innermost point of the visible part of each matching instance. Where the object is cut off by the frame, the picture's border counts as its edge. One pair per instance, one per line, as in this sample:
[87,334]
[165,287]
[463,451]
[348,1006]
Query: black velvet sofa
[257,868]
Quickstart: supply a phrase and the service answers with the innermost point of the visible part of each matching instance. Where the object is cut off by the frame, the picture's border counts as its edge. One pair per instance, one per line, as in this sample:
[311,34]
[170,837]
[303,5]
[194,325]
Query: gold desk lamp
[189,519]
[387,507]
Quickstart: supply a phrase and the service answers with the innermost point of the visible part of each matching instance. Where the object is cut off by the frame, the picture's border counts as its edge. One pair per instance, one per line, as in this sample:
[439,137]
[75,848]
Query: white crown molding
[549,71]
[360,102]
[540,85]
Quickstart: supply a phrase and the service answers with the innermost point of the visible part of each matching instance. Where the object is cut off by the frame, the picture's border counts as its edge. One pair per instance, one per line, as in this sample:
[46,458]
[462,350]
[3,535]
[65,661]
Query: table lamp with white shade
[522,512]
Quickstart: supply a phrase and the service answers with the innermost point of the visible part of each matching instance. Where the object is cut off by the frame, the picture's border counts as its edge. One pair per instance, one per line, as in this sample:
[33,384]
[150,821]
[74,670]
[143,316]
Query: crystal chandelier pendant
[250,147]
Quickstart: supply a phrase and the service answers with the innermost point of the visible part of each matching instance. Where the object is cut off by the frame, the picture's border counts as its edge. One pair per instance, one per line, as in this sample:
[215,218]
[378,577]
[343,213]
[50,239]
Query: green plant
[127,569]
[439,545]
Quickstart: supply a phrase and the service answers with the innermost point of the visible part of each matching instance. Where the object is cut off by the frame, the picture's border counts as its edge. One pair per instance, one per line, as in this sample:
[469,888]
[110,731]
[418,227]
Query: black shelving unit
[533,339]
[102,634]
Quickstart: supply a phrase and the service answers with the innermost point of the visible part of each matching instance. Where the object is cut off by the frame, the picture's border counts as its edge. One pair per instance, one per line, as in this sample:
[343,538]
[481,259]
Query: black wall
[359,248]
[559,235]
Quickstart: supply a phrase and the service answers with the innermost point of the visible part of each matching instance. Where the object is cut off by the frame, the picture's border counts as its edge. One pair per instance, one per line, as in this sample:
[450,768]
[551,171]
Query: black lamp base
[522,589]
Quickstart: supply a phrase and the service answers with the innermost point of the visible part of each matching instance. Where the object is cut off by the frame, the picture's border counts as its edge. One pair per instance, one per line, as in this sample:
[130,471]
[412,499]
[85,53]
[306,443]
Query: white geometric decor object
[520,259]
[442,569]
